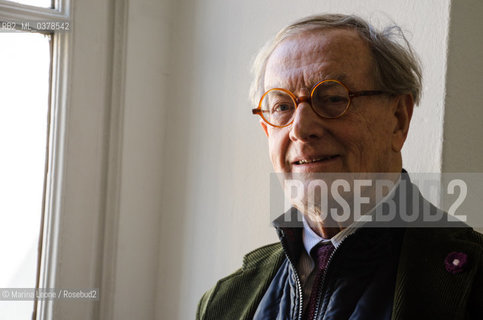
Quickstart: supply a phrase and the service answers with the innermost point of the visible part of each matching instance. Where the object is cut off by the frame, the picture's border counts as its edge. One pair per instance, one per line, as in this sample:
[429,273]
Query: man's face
[368,138]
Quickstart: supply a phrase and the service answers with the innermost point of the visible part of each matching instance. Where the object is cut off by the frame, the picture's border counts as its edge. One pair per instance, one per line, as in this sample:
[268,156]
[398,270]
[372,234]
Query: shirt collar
[311,239]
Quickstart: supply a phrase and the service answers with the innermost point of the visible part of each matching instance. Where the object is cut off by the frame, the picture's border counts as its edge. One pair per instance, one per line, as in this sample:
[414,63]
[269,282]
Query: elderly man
[336,96]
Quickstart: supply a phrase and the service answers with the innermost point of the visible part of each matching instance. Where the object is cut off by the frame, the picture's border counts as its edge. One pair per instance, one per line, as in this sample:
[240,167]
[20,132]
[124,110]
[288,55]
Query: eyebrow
[318,77]
[342,77]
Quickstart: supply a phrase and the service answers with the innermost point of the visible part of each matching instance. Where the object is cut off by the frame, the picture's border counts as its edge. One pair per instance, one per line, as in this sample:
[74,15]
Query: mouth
[308,161]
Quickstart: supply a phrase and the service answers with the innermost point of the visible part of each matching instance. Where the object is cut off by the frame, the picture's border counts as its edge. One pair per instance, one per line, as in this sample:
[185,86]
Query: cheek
[278,141]
[383,132]
[368,135]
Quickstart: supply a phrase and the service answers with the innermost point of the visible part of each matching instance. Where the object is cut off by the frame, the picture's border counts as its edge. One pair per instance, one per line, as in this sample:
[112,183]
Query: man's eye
[335,99]
[282,107]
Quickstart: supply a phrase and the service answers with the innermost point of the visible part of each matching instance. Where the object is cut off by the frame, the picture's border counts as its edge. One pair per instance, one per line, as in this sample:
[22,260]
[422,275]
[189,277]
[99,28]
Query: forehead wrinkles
[304,59]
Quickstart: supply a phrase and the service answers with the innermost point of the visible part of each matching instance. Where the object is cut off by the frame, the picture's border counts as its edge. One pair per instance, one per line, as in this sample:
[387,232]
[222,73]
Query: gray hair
[397,68]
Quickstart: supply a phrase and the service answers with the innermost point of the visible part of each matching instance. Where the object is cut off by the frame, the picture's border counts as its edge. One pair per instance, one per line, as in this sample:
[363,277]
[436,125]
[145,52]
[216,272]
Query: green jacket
[424,288]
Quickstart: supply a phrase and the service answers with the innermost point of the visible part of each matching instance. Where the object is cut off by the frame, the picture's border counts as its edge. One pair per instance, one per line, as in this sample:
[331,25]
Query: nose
[307,125]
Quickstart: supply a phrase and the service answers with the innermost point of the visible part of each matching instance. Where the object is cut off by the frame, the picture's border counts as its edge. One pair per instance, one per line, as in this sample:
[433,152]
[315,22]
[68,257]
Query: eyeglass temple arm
[258,111]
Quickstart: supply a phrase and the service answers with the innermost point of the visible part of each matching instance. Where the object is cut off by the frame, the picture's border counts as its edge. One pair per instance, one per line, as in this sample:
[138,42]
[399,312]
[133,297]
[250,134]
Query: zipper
[297,279]
[322,283]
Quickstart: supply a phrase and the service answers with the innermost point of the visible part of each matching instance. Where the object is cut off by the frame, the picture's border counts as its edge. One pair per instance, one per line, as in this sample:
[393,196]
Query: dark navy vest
[359,282]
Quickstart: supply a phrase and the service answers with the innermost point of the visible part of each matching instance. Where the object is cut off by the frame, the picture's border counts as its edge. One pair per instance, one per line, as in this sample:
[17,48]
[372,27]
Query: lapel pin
[455,262]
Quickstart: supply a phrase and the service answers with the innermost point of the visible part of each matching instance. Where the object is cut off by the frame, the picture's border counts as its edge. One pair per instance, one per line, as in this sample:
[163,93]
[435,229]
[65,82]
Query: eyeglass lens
[329,99]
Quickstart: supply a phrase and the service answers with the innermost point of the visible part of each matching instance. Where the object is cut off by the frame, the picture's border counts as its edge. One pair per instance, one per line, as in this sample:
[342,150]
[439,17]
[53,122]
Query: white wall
[145,103]
[463,121]
[215,195]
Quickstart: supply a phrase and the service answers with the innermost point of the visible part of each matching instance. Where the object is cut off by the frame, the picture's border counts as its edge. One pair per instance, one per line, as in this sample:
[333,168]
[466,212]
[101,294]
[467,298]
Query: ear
[402,113]
[264,126]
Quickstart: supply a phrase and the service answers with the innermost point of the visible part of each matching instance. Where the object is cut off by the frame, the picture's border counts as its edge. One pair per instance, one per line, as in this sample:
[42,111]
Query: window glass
[37,3]
[25,60]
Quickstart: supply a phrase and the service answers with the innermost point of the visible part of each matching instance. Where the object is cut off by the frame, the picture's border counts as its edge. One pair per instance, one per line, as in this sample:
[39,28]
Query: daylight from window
[24,86]
[37,3]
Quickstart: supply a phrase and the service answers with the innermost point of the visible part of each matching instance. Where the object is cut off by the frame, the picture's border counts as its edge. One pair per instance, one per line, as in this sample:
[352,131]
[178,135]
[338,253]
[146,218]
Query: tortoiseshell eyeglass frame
[298,100]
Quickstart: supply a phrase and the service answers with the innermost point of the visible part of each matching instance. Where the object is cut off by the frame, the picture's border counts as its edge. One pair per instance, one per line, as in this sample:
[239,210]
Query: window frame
[84,151]
[47,258]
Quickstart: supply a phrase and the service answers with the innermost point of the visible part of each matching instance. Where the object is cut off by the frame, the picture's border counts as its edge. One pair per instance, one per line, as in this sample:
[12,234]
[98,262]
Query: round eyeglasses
[329,99]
